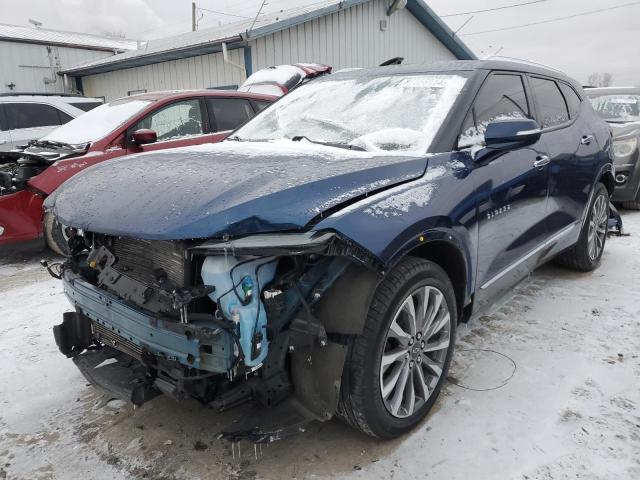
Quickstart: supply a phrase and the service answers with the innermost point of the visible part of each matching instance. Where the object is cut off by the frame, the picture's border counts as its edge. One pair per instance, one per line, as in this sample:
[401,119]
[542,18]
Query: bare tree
[600,79]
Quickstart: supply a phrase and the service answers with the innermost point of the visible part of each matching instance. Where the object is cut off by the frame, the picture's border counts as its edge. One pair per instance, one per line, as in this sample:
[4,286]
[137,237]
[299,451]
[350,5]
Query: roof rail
[36,94]
[528,62]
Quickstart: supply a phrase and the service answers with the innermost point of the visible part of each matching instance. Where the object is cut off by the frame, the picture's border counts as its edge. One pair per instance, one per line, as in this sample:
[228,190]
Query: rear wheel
[54,234]
[396,368]
[587,253]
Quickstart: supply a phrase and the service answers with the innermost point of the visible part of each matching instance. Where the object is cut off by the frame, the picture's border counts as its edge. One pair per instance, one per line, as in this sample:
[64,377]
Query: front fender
[440,206]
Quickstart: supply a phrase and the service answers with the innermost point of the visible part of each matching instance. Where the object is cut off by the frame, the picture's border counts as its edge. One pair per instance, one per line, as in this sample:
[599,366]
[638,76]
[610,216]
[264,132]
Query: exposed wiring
[591,12]
[493,9]
[454,381]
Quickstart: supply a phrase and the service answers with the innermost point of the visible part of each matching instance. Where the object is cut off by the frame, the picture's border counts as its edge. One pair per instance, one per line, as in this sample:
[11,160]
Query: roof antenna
[35,23]
[264,2]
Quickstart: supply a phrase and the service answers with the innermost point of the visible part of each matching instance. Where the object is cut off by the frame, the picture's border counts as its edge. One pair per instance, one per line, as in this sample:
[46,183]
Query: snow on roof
[208,40]
[19,33]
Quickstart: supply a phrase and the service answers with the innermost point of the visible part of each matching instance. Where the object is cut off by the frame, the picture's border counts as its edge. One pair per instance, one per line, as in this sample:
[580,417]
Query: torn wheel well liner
[451,259]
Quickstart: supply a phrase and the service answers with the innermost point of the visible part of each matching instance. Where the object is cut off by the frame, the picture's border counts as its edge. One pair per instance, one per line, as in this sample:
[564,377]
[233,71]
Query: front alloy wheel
[415,351]
[396,367]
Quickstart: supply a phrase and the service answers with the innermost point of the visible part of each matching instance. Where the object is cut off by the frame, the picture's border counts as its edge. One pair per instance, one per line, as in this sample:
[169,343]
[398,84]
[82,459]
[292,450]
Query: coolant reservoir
[244,305]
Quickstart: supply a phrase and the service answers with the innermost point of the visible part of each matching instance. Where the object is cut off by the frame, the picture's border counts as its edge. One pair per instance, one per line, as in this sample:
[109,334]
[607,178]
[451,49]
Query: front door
[512,189]
[178,124]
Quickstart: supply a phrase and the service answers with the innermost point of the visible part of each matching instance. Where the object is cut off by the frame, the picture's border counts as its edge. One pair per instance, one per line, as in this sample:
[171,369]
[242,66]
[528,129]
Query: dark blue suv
[319,260]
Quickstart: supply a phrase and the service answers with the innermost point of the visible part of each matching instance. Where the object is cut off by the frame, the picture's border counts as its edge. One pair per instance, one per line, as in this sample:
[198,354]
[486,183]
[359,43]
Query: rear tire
[585,255]
[54,235]
[373,397]
[632,204]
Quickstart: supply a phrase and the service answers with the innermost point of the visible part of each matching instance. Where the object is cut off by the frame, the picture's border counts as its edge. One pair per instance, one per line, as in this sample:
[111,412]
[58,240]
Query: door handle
[586,139]
[541,161]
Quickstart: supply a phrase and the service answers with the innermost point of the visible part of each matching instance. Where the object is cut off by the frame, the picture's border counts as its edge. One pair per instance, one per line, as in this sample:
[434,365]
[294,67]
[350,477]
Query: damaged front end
[264,318]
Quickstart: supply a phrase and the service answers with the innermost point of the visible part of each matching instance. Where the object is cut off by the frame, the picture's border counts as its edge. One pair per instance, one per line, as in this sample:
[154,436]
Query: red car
[141,123]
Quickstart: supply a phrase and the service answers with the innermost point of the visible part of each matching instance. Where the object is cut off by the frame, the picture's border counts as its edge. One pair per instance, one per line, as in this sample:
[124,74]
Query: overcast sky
[602,42]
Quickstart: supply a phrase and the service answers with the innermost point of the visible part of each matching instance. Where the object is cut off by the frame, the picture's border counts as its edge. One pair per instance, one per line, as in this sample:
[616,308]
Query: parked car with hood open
[140,123]
[319,260]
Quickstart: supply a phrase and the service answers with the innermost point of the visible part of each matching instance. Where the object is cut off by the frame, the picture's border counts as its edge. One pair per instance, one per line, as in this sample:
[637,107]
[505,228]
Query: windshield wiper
[67,146]
[346,146]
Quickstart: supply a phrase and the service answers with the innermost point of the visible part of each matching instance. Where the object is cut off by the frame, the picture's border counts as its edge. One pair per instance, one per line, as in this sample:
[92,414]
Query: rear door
[574,154]
[512,190]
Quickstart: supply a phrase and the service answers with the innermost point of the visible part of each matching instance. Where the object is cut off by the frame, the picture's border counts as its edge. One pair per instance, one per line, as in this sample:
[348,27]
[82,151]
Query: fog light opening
[1,230]
[621,178]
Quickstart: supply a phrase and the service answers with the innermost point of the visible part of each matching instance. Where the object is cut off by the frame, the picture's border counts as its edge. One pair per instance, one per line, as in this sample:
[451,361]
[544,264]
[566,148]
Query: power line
[493,9]
[631,4]
[222,13]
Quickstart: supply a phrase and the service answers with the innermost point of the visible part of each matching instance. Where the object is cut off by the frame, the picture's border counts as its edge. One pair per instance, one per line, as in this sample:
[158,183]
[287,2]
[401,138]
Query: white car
[25,117]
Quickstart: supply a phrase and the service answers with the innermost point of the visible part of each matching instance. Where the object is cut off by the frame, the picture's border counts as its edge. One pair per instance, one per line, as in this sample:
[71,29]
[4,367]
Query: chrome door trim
[539,248]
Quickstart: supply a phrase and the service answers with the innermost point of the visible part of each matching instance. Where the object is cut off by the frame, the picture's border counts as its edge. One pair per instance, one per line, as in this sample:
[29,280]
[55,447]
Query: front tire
[586,254]
[395,369]
[54,235]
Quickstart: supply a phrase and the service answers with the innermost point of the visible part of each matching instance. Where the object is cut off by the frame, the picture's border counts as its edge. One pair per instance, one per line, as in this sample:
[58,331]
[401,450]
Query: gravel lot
[571,409]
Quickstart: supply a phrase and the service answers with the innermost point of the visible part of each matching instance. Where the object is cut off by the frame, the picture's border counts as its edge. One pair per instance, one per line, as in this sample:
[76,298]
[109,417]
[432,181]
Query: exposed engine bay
[14,174]
[262,318]
[31,160]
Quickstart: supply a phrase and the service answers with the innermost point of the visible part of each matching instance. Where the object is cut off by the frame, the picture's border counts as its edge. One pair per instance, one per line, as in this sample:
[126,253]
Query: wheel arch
[452,260]
[607,179]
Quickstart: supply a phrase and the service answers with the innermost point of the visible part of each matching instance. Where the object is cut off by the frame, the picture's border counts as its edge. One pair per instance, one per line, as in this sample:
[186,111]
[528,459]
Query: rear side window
[551,107]
[229,113]
[30,115]
[572,98]
[261,105]
[502,96]
[86,106]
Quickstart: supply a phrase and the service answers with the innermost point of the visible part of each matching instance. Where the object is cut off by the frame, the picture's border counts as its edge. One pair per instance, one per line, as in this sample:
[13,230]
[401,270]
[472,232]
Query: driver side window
[501,97]
[180,119]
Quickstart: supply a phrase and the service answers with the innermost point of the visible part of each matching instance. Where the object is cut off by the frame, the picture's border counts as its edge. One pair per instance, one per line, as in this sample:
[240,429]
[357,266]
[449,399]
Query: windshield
[97,123]
[391,114]
[618,107]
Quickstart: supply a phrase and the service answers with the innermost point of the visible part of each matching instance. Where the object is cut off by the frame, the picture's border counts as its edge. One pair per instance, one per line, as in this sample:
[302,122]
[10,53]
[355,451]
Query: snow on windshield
[394,114]
[617,108]
[97,123]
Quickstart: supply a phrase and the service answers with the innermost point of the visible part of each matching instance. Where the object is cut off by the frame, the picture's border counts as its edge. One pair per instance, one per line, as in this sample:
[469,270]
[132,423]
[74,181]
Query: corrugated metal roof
[209,40]
[17,33]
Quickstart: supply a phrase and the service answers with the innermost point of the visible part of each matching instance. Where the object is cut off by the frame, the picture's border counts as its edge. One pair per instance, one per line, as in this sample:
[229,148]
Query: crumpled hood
[234,188]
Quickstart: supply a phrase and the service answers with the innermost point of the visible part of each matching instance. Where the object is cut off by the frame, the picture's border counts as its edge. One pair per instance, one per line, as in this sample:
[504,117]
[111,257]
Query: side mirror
[144,136]
[510,134]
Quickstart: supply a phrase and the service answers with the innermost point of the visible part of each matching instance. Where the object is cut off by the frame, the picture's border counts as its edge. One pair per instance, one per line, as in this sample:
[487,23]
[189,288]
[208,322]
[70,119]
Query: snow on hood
[235,188]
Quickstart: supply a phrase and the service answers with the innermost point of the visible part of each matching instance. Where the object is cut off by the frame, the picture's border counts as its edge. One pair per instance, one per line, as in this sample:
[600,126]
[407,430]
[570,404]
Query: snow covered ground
[570,410]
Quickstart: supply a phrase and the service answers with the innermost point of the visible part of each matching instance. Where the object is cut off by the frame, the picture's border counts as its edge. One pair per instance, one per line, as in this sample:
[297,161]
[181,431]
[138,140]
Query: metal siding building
[30,58]
[350,33]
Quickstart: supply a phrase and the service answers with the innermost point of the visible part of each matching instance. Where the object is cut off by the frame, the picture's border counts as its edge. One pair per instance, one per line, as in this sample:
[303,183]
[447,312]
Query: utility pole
[193,16]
